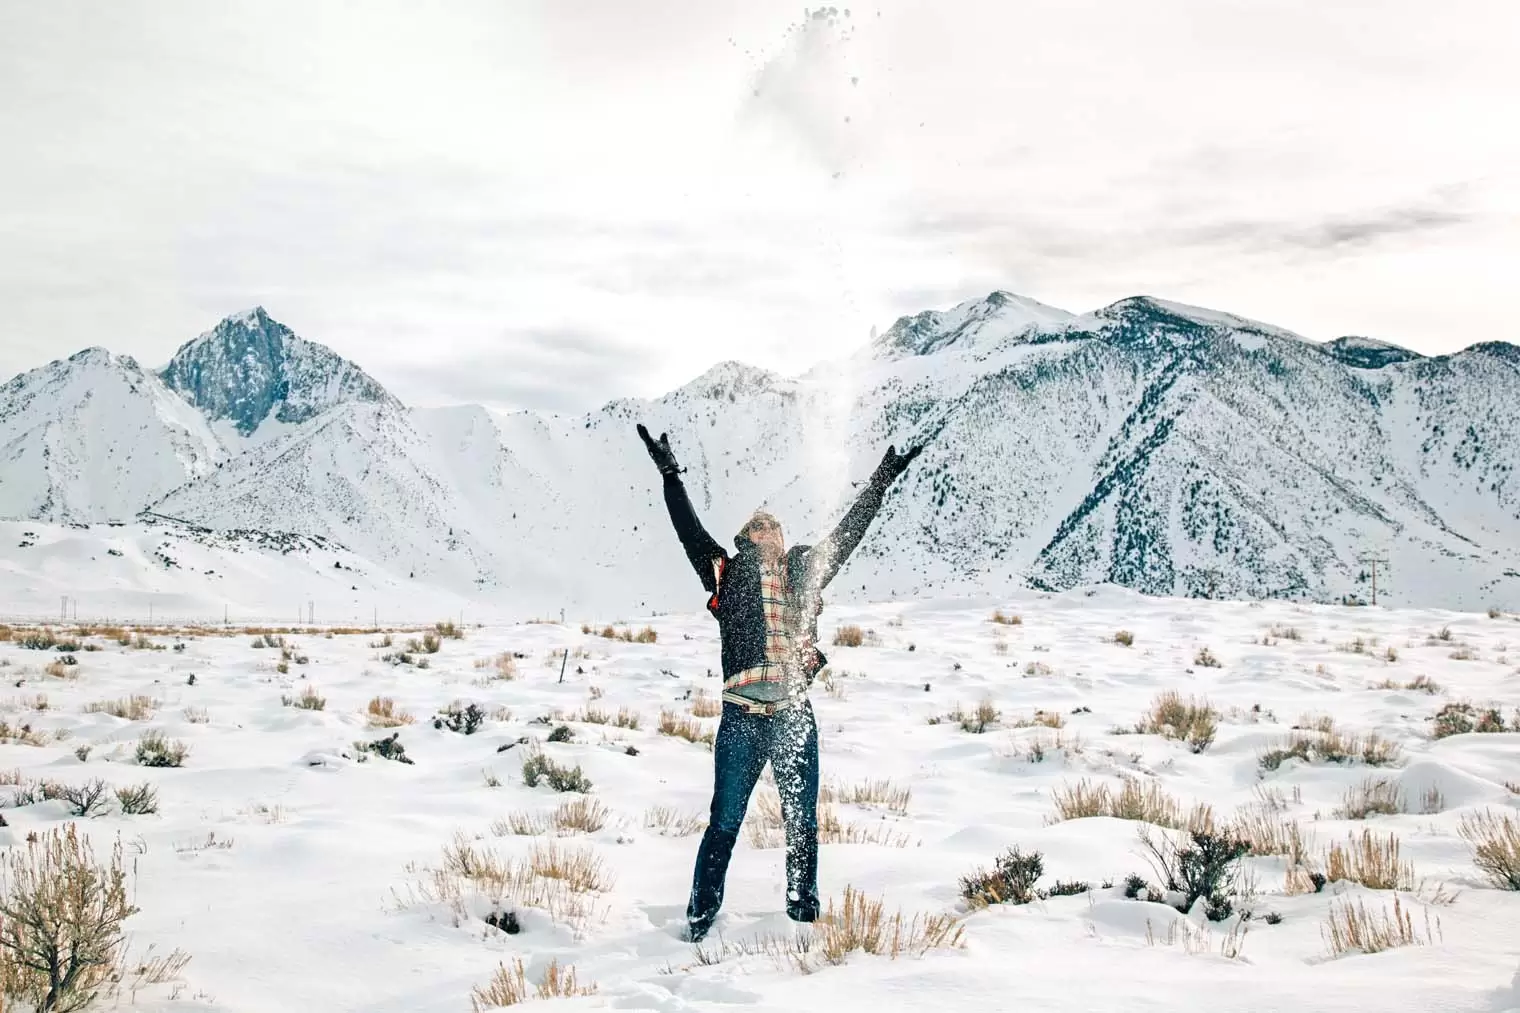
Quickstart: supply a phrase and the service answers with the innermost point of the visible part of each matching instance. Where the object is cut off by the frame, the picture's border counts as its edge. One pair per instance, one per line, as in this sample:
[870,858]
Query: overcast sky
[549,204]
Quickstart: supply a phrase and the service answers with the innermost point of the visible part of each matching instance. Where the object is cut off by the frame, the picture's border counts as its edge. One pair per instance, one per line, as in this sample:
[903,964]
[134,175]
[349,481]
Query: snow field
[298,877]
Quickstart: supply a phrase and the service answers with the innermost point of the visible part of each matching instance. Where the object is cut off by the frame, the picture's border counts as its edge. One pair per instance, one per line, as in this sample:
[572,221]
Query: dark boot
[707,881]
[802,876]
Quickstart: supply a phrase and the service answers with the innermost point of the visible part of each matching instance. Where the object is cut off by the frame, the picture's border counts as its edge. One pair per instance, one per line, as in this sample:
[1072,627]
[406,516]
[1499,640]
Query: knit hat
[742,538]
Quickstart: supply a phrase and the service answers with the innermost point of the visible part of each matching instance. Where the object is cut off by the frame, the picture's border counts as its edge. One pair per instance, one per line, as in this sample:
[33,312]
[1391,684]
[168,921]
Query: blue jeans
[745,742]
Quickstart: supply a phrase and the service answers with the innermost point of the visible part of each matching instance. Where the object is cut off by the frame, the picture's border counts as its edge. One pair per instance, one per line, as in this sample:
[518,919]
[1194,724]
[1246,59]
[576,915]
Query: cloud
[563,370]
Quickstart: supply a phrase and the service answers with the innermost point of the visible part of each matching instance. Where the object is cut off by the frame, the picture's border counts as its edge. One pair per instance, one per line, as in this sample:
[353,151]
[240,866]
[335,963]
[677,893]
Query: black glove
[893,465]
[659,451]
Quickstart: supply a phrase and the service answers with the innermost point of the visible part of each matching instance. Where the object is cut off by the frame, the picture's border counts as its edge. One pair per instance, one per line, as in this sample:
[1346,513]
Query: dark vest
[741,615]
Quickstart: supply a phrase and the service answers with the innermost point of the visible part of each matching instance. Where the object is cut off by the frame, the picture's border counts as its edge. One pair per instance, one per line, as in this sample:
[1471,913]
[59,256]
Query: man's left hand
[894,464]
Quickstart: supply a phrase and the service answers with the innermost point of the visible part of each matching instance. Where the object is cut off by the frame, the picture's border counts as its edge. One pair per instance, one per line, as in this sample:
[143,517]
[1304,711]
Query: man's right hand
[659,451]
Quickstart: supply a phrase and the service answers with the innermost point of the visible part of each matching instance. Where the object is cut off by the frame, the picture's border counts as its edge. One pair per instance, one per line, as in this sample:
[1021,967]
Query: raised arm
[701,549]
[830,554]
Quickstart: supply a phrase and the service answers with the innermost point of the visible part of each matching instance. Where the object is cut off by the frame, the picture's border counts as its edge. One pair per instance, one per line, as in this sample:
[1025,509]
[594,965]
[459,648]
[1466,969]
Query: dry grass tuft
[1495,842]
[1320,739]
[1267,834]
[1205,659]
[579,869]
[1351,929]
[309,700]
[521,823]
[1003,619]
[858,924]
[592,715]
[1147,803]
[883,794]
[668,821]
[765,825]
[1376,796]
[503,667]
[647,635]
[1371,861]
[686,728]
[584,815]
[1191,721]
[61,669]
[509,986]
[849,636]
[130,708]
[1124,638]
[704,706]
[382,713]
[548,879]
[1041,719]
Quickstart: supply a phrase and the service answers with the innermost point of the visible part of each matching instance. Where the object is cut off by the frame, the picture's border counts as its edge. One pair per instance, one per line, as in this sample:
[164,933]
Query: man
[766,599]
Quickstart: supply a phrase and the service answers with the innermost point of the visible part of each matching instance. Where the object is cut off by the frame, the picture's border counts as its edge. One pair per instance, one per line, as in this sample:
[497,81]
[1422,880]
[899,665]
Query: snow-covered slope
[1167,448]
[250,369]
[95,437]
[358,886]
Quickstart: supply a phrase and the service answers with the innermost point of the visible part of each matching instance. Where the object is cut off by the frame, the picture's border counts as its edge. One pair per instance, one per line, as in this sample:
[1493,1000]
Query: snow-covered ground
[297,878]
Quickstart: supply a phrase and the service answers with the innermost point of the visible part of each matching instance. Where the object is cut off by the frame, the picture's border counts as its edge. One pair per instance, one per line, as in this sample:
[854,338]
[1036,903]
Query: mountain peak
[1367,353]
[250,368]
[999,316]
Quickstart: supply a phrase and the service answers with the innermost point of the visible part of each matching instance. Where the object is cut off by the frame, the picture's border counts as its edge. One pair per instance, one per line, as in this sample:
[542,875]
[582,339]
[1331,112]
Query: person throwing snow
[766,599]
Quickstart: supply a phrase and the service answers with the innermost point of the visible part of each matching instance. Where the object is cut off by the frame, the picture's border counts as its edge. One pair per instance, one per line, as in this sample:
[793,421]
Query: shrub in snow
[138,800]
[1011,880]
[388,748]
[537,767]
[86,801]
[37,640]
[63,917]
[465,721]
[1203,866]
[504,921]
[153,750]
[561,734]
[1191,721]
[1495,840]
[1458,718]
[1205,659]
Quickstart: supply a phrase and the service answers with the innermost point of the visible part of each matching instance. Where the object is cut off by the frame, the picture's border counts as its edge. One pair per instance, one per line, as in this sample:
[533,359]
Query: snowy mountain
[1167,448]
[250,369]
[95,437]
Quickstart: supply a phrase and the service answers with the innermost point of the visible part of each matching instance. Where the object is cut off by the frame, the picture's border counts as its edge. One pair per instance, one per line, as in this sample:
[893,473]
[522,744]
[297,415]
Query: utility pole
[64,607]
[1371,560]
